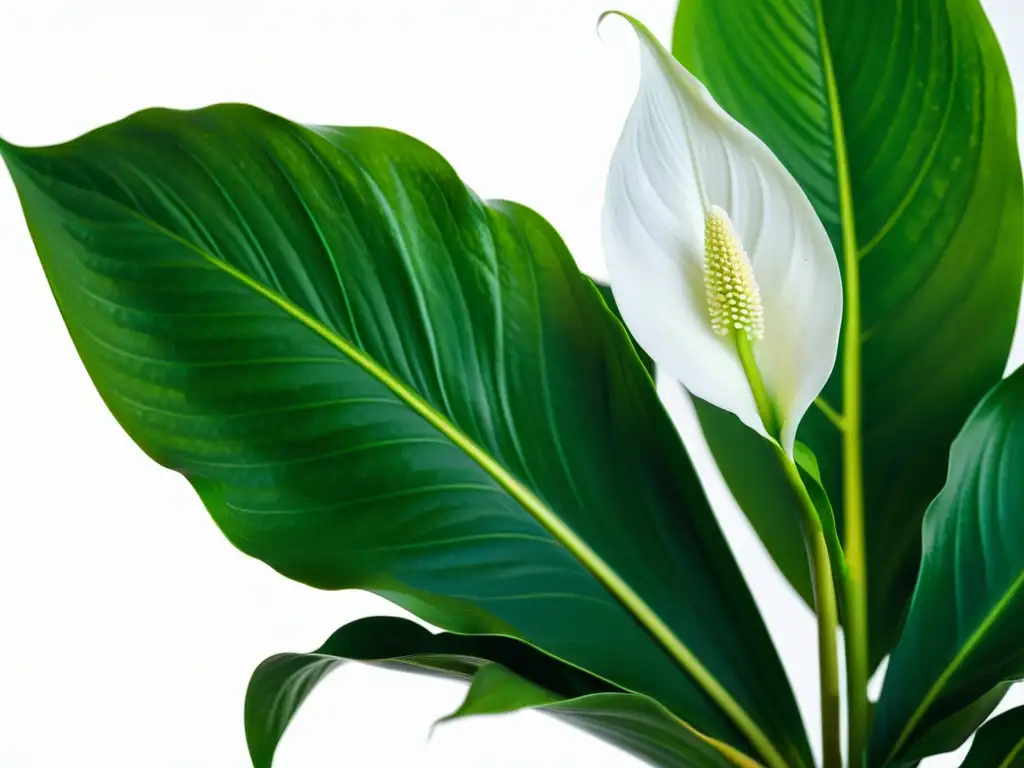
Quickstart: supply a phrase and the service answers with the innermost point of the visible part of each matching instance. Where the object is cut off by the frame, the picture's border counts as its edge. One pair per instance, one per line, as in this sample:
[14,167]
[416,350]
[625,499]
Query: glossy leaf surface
[751,468]
[507,675]
[949,733]
[897,119]
[609,299]
[1000,743]
[376,380]
[963,633]
[637,724]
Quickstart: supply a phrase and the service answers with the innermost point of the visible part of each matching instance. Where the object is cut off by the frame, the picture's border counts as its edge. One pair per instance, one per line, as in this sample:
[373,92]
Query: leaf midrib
[1017,749]
[951,668]
[854,586]
[545,516]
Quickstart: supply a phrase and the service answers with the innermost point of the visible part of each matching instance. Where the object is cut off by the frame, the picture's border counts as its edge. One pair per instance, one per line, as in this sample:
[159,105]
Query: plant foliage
[375,379]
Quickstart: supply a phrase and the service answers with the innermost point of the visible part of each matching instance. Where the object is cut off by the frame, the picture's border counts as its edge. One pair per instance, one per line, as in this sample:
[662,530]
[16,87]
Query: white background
[128,625]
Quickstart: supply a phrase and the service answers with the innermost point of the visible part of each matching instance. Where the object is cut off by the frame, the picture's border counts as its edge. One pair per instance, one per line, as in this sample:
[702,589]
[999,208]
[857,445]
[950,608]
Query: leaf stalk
[855,591]
[817,546]
[825,609]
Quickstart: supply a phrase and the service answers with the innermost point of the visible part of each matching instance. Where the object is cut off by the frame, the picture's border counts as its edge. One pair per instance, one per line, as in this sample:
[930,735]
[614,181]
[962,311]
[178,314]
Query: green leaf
[949,733]
[495,690]
[750,466]
[644,728]
[637,724]
[281,684]
[897,119]
[376,380]
[507,675]
[810,476]
[1000,743]
[962,639]
[609,299]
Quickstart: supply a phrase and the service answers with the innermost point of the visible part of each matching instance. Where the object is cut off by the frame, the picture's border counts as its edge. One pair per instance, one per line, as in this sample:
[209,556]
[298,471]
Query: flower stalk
[827,613]
[753,334]
[825,606]
[734,311]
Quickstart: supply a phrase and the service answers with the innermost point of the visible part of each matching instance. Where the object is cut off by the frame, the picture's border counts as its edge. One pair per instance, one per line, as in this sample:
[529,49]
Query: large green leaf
[897,119]
[1000,743]
[751,467]
[376,380]
[950,732]
[962,639]
[637,724]
[507,675]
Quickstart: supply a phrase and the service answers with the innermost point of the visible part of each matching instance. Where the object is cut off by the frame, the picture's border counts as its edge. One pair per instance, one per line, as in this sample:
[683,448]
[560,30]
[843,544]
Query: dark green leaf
[750,467]
[637,724]
[949,733]
[963,633]
[495,690]
[810,475]
[609,299]
[507,675]
[923,110]
[644,728]
[376,380]
[1000,743]
[281,683]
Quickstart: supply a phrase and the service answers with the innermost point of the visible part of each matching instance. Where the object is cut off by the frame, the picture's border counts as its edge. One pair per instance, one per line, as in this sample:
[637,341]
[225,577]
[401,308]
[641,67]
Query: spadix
[734,300]
[720,266]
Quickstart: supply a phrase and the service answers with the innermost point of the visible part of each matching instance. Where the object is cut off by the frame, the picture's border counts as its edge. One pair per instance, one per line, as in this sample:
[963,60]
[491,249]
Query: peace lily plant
[374,379]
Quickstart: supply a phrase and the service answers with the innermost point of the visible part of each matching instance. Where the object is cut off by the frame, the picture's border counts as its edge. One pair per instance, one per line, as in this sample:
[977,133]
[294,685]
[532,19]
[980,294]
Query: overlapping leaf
[1000,743]
[507,675]
[376,380]
[752,466]
[962,639]
[897,119]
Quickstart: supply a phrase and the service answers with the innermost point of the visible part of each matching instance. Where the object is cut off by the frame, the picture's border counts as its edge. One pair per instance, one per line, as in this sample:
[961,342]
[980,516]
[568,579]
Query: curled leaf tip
[613,12]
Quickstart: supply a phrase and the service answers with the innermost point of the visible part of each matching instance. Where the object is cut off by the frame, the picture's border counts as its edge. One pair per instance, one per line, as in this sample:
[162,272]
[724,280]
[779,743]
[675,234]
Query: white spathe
[679,155]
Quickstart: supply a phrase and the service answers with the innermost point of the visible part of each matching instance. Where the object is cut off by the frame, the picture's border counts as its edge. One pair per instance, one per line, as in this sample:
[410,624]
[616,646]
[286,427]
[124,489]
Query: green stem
[855,604]
[826,610]
[855,591]
[764,404]
[820,564]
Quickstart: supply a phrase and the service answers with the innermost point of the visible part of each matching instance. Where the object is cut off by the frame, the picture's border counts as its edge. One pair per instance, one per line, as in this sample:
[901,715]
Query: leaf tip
[439,722]
[604,15]
[11,152]
[637,25]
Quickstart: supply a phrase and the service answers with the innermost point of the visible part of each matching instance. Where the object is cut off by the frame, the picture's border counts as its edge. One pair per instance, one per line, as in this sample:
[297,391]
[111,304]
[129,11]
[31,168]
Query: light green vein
[292,461]
[940,683]
[536,508]
[363,500]
[926,166]
[855,587]
[1017,749]
[530,502]
[830,413]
